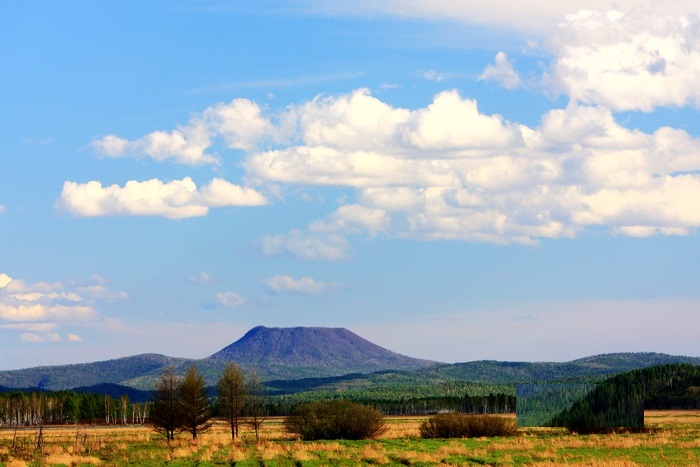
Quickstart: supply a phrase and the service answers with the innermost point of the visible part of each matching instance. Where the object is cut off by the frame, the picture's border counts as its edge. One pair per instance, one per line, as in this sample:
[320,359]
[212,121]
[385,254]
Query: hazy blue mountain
[274,352]
[310,358]
[87,374]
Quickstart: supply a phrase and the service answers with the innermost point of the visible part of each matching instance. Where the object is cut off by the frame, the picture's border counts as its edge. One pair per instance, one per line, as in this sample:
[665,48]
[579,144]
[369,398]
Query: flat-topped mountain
[275,353]
[323,357]
[303,351]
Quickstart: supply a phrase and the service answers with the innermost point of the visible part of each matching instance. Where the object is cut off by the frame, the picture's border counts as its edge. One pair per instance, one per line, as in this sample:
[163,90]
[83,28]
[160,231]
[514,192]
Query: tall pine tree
[165,416]
[193,401]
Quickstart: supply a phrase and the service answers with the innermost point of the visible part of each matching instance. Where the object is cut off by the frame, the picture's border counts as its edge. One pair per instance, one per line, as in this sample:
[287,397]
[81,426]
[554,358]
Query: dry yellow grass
[675,441]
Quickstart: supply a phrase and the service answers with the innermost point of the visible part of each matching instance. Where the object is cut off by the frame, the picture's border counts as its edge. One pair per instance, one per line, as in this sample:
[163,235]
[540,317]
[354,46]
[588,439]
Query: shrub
[457,425]
[336,419]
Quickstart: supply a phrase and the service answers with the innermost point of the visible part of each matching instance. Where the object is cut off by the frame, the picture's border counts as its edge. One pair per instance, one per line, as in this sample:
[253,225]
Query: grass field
[674,439]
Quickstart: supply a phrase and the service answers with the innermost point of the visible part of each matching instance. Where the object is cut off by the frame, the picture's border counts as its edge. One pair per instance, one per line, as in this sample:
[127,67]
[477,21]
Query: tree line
[21,408]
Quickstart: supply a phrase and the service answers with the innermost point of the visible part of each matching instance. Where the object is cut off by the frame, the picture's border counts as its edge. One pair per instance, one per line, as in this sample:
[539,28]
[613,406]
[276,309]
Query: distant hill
[594,368]
[311,358]
[312,352]
[115,371]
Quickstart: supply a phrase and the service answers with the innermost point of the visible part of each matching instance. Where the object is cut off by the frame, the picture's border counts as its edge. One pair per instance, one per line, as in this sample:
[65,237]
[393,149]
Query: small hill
[115,371]
[312,352]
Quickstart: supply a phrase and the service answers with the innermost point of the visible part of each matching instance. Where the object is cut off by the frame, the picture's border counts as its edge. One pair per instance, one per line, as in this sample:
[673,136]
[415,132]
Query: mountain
[325,358]
[282,353]
[285,353]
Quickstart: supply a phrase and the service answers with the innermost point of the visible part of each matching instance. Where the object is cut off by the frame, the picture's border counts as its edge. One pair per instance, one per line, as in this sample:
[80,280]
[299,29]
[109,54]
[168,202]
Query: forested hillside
[299,359]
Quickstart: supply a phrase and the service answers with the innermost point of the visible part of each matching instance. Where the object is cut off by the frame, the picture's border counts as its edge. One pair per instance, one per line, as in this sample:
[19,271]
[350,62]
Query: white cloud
[306,245]
[239,123]
[327,238]
[4,280]
[302,286]
[451,123]
[36,310]
[230,299]
[502,72]
[628,61]
[446,171]
[175,200]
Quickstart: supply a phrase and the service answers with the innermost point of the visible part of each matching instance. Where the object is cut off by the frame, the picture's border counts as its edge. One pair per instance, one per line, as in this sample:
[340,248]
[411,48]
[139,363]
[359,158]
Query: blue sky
[451,180]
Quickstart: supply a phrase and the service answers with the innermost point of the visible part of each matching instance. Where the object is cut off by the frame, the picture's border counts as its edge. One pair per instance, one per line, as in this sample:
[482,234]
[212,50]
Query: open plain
[673,438]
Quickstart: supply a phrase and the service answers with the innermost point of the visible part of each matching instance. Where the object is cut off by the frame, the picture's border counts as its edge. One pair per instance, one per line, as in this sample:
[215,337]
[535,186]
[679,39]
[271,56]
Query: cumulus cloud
[327,238]
[627,61]
[301,286]
[502,72]
[239,123]
[447,171]
[230,299]
[177,199]
[36,310]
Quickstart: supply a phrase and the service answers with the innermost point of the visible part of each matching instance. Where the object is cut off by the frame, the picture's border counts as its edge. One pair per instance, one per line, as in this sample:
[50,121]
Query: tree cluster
[183,404]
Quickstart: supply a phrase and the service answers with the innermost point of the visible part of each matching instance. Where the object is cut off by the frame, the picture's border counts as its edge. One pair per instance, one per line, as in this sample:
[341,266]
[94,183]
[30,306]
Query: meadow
[672,438]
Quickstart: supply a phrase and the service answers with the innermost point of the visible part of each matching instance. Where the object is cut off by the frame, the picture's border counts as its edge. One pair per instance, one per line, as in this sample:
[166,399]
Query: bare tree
[256,396]
[165,416]
[232,395]
[193,403]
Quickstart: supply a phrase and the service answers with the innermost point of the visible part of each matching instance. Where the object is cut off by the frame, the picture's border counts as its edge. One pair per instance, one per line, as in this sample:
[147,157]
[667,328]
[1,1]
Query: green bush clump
[457,425]
[335,419]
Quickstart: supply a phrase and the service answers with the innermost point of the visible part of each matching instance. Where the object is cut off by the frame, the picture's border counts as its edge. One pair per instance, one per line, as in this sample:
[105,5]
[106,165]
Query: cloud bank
[302,286]
[177,199]
[37,310]
[448,171]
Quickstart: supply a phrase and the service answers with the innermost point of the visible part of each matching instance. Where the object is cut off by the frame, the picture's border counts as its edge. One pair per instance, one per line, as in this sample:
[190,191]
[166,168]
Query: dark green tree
[165,415]
[193,403]
[232,395]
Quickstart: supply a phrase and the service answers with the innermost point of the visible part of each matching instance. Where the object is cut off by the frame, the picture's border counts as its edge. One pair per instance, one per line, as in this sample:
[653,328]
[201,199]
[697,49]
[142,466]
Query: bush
[336,419]
[457,425]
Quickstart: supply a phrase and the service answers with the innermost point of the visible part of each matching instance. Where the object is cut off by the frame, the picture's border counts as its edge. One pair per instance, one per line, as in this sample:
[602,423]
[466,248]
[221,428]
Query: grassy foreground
[674,440]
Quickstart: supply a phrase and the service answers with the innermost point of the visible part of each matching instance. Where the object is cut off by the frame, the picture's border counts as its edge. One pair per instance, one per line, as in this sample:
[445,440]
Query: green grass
[673,440]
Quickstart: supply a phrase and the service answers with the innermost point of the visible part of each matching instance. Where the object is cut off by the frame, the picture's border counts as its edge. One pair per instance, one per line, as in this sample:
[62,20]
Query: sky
[452,180]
